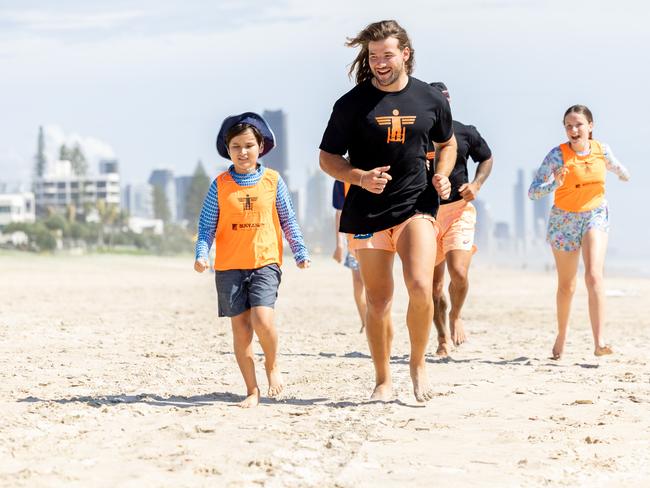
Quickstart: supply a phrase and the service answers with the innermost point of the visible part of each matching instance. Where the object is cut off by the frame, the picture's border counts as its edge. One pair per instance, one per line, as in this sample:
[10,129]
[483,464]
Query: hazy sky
[152,80]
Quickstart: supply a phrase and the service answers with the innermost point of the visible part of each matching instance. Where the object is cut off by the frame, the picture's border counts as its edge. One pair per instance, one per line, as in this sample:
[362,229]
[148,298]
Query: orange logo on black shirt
[396,131]
[248,202]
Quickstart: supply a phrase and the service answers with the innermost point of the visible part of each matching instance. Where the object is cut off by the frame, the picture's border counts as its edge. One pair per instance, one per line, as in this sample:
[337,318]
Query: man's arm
[469,191]
[445,162]
[340,169]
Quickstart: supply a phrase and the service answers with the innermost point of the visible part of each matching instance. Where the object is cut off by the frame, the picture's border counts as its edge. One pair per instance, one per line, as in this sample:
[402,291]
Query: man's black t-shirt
[470,144]
[378,128]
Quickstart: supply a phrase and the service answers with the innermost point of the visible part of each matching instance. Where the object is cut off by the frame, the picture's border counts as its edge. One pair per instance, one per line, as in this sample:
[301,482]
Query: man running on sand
[457,219]
[385,124]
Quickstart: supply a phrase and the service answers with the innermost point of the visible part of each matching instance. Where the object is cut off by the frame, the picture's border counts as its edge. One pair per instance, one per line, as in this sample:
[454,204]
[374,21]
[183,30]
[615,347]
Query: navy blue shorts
[240,289]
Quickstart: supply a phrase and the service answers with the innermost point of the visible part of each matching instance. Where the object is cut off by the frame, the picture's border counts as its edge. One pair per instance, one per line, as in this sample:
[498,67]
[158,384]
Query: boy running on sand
[245,212]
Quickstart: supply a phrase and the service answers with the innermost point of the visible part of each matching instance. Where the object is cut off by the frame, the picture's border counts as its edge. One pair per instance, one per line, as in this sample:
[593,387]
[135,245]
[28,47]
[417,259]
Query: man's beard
[389,81]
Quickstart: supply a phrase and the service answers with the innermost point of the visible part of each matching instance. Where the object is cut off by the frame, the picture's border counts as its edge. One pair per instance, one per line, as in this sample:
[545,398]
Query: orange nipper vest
[584,184]
[248,233]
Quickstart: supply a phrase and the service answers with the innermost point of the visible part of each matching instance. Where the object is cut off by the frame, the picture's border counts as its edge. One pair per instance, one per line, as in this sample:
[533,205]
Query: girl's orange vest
[584,185]
[248,233]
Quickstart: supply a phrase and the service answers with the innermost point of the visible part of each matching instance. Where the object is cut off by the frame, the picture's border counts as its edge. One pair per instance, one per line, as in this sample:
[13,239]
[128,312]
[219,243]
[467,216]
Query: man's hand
[304,264]
[442,185]
[469,191]
[375,180]
[200,265]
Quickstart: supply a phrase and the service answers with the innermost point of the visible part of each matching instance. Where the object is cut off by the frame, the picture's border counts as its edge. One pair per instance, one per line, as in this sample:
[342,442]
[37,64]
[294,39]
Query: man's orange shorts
[387,239]
[457,222]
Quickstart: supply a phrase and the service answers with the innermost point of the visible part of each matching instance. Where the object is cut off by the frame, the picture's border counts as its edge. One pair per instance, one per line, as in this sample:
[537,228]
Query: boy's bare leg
[594,246]
[566,263]
[359,297]
[458,262]
[417,250]
[242,335]
[440,310]
[262,320]
[377,273]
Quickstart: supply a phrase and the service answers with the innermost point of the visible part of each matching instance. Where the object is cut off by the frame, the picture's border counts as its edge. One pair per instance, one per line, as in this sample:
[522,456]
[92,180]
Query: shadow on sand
[171,401]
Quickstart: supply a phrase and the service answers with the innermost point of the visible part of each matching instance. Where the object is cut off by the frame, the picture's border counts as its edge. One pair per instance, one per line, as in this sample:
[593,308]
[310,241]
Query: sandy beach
[115,371]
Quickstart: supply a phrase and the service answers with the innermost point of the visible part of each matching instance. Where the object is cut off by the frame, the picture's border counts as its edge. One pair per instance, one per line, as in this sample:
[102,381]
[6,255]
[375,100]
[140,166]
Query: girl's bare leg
[566,263]
[594,247]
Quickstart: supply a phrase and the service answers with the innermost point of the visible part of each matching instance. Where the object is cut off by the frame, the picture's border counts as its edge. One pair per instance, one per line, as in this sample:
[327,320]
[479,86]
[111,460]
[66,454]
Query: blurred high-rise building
[519,195]
[278,158]
[164,179]
[317,222]
[137,199]
[483,235]
[183,184]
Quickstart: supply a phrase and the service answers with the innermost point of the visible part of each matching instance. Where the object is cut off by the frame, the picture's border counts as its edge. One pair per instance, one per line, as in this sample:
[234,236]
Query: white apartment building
[17,207]
[60,188]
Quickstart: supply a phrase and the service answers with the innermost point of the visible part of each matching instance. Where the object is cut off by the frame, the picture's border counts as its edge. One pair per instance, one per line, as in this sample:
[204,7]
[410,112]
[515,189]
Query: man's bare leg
[262,321]
[594,246]
[359,297]
[458,262]
[566,263]
[417,250]
[242,337]
[377,273]
[440,310]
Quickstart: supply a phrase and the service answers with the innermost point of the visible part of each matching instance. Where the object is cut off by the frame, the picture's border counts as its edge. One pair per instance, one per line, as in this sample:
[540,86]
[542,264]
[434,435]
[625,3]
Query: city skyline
[154,80]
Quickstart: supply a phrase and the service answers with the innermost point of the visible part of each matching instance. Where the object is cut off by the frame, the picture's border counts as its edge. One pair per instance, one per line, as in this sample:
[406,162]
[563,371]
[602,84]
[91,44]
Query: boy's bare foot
[443,347]
[558,348]
[421,386]
[383,392]
[251,400]
[457,331]
[603,350]
[275,382]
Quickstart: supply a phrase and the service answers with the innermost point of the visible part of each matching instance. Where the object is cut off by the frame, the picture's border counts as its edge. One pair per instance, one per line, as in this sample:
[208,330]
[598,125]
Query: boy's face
[244,151]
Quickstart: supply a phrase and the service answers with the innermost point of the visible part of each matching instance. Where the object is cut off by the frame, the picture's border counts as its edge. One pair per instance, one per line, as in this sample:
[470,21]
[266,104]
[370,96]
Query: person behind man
[457,219]
[343,255]
[385,124]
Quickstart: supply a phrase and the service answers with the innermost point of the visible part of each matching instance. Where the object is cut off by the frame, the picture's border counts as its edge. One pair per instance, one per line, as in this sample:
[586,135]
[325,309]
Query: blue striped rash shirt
[210,216]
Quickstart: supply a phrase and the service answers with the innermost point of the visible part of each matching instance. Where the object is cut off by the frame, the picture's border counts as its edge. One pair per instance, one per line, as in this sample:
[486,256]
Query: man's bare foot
[382,392]
[603,350]
[457,331]
[558,348]
[421,386]
[275,381]
[363,327]
[443,347]
[251,400]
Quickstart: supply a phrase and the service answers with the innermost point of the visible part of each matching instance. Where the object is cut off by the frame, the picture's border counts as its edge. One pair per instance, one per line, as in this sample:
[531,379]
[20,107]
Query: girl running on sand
[579,219]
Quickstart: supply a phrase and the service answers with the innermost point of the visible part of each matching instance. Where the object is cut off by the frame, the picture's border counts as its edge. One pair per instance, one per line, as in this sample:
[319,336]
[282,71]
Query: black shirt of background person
[470,144]
[378,128]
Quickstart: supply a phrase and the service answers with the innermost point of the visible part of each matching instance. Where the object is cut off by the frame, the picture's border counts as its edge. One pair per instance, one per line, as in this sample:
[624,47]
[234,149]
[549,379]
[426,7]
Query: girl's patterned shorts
[567,229]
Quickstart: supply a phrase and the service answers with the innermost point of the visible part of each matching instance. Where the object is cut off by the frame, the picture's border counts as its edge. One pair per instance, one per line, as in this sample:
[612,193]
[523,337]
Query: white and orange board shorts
[387,239]
[457,222]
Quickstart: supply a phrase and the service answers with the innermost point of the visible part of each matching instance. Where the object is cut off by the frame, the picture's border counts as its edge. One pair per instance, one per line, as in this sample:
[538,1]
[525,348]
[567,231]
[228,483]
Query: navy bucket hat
[246,118]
